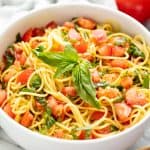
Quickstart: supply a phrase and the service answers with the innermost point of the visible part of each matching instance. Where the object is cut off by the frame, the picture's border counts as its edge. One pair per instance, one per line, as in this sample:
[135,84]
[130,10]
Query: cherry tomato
[24,76]
[139,9]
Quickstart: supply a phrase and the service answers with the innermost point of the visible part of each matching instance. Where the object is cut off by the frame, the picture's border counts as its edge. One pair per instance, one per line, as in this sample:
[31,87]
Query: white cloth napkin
[13,9]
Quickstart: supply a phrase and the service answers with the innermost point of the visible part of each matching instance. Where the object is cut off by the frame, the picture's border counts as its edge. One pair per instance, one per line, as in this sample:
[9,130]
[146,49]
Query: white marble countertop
[9,9]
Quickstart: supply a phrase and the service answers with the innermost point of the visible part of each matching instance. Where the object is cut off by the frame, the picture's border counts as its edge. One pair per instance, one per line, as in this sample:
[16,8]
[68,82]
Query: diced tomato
[120,63]
[123,111]
[81,46]
[95,77]
[105,50]
[96,115]
[118,51]
[99,35]
[86,23]
[69,90]
[126,82]
[3,96]
[74,35]
[8,110]
[59,134]
[87,56]
[82,135]
[135,98]
[38,106]
[26,119]
[24,76]
[38,32]
[57,109]
[105,130]
[69,24]
[51,24]
[27,35]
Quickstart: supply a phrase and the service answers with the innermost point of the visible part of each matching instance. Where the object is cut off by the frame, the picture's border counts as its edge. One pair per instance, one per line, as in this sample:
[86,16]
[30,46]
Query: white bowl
[60,13]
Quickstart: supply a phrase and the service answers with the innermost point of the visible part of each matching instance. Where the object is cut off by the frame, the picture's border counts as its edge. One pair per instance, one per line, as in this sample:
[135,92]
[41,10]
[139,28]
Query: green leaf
[27,90]
[35,81]
[56,58]
[84,85]
[42,101]
[40,48]
[135,51]
[50,121]
[64,67]
[146,81]
[70,53]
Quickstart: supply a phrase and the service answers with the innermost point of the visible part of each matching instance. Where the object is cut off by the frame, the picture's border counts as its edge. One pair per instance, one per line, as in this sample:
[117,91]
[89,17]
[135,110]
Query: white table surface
[9,9]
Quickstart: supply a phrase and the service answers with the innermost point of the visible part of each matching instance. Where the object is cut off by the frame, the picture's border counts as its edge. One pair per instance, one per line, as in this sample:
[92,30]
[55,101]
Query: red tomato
[139,9]
[51,24]
[105,130]
[24,76]
[8,110]
[82,135]
[69,25]
[118,51]
[123,111]
[69,90]
[27,119]
[86,23]
[38,32]
[27,35]
[81,46]
[96,115]
[106,50]
[120,63]
[99,35]
[74,35]
[95,77]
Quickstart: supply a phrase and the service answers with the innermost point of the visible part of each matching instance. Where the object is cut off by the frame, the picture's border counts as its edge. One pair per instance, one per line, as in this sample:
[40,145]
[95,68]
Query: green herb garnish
[69,61]
[146,81]
[27,90]
[135,51]
[35,81]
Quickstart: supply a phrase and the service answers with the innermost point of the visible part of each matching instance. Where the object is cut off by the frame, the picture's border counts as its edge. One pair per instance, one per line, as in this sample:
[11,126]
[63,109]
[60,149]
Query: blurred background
[139,9]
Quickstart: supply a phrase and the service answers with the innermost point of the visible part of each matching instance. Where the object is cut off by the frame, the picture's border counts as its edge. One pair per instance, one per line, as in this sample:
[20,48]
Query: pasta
[80,80]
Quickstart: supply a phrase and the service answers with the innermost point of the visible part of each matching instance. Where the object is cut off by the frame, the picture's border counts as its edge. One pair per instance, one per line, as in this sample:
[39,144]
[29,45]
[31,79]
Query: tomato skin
[120,63]
[139,9]
[26,119]
[69,25]
[118,51]
[7,108]
[27,35]
[127,82]
[97,115]
[106,50]
[70,91]
[38,32]
[24,76]
[81,46]
[51,24]
[86,23]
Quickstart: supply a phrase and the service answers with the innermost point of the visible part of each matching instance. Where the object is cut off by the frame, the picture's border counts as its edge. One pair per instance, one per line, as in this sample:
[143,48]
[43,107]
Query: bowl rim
[88,141]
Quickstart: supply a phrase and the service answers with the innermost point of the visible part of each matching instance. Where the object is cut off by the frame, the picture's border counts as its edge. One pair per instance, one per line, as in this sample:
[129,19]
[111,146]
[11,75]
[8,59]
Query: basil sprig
[69,61]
